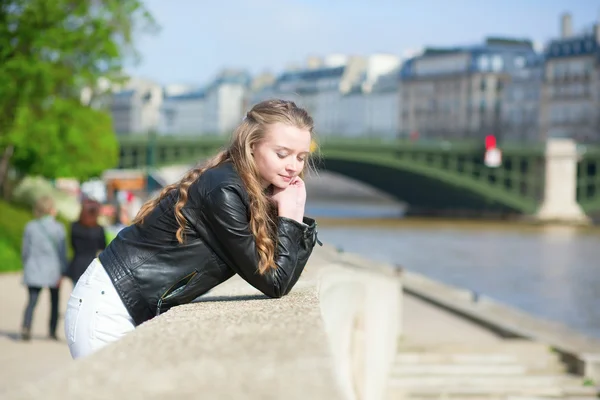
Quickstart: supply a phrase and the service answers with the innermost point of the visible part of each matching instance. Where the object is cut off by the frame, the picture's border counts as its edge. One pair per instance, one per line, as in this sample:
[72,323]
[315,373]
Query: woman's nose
[292,166]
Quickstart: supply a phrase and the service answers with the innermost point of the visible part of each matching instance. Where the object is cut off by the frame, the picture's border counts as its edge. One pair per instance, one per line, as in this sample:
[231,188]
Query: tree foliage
[52,51]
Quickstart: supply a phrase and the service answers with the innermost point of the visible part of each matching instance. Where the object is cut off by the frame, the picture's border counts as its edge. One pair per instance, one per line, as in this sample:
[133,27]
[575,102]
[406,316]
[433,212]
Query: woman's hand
[291,200]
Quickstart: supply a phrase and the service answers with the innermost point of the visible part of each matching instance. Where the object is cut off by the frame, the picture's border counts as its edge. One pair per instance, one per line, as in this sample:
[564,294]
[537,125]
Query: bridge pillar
[560,190]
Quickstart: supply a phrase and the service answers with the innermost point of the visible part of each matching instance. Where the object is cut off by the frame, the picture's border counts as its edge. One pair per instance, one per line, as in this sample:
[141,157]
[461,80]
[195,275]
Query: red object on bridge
[490,142]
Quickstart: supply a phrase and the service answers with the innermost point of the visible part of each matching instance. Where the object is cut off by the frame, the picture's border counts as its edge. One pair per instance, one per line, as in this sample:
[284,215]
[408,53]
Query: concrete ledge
[236,343]
[580,352]
[362,311]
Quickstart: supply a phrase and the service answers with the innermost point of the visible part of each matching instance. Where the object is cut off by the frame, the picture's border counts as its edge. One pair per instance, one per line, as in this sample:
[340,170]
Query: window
[555,50]
[483,63]
[517,93]
[589,45]
[519,62]
[497,63]
[499,85]
[558,70]
[516,116]
[588,67]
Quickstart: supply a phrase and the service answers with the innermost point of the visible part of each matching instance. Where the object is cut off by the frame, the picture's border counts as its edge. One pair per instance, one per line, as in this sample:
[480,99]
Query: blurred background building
[570,102]
[502,86]
[456,93]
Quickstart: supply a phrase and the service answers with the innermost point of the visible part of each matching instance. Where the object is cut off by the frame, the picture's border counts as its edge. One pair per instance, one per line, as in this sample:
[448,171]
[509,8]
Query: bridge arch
[425,187]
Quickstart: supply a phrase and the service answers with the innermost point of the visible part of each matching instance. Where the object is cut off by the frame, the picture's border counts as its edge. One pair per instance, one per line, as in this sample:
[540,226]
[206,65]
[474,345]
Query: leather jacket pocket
[175,289]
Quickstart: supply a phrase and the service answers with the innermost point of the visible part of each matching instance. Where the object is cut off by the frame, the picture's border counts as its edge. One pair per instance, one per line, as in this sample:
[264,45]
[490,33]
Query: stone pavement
[194,347]
[25,361]
[430,324]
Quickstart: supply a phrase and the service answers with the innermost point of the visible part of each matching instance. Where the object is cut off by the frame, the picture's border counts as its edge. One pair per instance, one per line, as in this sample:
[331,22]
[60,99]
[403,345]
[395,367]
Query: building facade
[373,109]
[384,105]
[135,109]
[224,102]
[521,100]
[570,102]
[183,114]
[334,90]
[215,109]
[352,121]
[456,93]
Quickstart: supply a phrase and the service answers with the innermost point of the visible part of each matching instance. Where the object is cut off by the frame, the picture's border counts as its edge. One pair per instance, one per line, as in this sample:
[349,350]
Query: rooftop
[490,44]
[192,95]
[312,74]
[585,44]
[495,54]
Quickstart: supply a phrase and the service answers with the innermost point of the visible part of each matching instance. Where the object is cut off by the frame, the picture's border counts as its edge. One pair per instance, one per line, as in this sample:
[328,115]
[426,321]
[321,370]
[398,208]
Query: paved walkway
[30,361]
[23,361]
[428,324]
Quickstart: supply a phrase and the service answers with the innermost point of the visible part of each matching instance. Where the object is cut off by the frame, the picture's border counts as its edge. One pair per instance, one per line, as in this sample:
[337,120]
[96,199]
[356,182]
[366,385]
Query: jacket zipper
[175,289]
[315,237]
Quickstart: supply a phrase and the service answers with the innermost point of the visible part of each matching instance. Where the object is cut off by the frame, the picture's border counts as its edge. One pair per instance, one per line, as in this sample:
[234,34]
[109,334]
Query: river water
[551,272]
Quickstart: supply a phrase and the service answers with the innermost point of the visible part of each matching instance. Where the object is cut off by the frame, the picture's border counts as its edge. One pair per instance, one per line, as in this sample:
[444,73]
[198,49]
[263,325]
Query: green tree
[52,51]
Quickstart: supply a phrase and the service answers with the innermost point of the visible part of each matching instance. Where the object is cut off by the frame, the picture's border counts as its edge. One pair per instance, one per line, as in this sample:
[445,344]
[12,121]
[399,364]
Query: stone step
[455,358]
[473,369]
[516,382]
[443,396]
[565,397]
[505,347]
[456,392]
[476,358]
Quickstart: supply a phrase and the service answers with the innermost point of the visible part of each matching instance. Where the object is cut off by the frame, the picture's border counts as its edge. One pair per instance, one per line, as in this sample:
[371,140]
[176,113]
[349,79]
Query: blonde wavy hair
[249,133]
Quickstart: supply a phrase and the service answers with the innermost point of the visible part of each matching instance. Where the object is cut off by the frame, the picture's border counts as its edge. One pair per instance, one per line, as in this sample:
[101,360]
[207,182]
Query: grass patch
[12,225]
[10,260]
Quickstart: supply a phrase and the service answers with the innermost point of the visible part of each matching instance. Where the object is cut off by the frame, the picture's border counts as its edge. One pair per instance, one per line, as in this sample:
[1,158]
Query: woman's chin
[280,185]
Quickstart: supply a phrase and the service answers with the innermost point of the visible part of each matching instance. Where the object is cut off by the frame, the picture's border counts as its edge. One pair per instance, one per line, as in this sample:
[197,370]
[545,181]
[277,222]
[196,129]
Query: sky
[198,38]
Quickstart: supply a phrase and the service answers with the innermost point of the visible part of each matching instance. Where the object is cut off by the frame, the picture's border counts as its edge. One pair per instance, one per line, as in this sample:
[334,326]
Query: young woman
[87,239]
[242,212]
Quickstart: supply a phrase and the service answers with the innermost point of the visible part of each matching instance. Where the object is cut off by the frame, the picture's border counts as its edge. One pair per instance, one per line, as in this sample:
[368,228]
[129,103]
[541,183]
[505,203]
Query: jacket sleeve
[26,244]
[226,217]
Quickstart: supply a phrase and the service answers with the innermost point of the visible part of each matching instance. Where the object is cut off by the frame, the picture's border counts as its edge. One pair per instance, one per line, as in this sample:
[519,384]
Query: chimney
[566,26]
[314,62]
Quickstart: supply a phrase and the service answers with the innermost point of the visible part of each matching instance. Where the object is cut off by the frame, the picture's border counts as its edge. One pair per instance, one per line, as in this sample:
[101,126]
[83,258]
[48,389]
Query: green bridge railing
[403,168]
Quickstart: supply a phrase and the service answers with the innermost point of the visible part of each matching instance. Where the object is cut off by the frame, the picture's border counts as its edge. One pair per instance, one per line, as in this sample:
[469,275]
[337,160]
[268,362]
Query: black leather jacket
[152,272]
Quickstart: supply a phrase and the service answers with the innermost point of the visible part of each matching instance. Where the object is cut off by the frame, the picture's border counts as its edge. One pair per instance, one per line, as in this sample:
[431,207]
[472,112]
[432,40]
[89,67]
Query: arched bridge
[428,176]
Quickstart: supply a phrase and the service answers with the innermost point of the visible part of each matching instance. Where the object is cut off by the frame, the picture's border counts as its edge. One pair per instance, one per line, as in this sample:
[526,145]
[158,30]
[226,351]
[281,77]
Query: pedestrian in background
[44,257]
[88,239]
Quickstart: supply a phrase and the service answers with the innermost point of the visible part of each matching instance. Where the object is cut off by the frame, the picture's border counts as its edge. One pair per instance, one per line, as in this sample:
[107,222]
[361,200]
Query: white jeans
[96,315]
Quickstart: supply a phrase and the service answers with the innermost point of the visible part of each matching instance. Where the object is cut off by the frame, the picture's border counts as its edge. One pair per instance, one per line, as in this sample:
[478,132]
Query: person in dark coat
[87,239]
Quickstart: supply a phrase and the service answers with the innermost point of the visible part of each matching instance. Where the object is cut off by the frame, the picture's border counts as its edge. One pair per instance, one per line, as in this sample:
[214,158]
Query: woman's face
[281,155]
